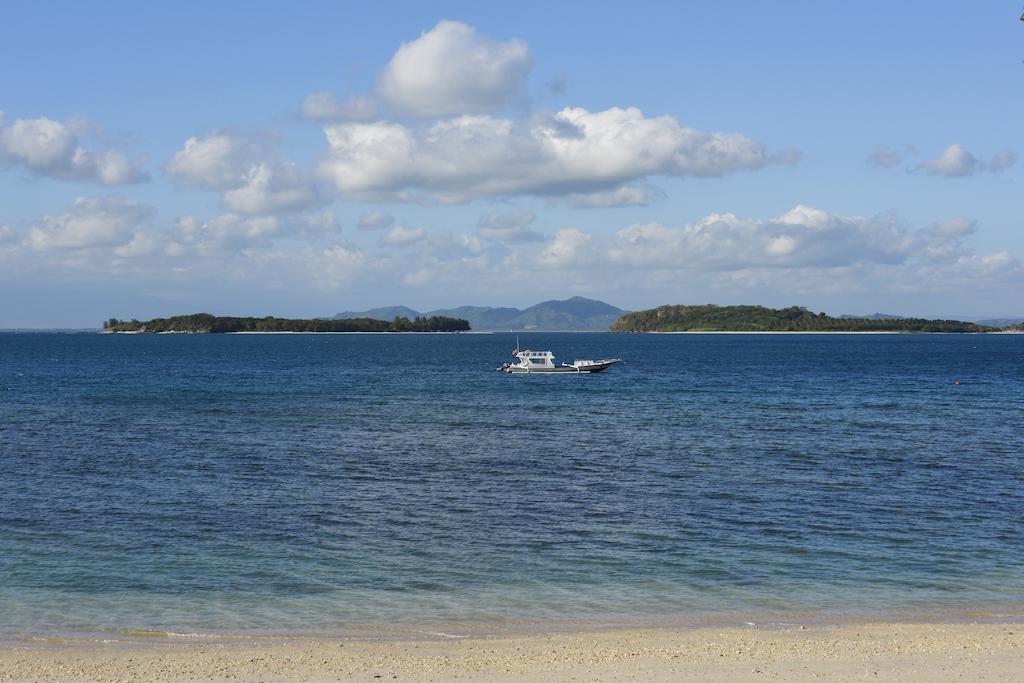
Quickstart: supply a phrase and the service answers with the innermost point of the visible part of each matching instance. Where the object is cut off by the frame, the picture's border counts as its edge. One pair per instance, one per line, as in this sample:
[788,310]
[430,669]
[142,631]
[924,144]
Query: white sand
[879,652]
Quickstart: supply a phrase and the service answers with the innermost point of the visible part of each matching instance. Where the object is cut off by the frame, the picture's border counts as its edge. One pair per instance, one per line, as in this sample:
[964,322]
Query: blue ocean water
[213,483]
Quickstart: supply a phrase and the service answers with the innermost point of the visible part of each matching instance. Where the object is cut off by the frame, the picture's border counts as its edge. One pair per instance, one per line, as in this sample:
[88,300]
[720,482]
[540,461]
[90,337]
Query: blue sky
[258,158]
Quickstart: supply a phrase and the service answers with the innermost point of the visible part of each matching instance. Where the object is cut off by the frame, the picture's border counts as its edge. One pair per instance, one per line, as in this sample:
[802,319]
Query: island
[204,323]
[711,318]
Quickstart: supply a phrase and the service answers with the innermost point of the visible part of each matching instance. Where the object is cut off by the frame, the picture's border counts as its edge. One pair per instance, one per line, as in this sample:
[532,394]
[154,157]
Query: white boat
[543,362]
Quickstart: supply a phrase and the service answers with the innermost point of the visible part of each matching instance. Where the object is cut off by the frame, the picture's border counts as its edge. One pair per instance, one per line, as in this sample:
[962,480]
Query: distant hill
[709,318]
[575,314]
[1000,322]
[383,313]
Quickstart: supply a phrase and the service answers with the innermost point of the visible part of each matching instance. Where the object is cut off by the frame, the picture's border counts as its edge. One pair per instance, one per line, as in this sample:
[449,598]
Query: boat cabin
[536,359]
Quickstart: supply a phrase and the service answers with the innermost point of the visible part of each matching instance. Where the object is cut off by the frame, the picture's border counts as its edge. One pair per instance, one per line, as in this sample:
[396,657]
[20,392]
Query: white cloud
[1001,161]
[335,266]
[803,237]
[220,161]
[570,248]
[272,189]
[401,236]
[245,170]
[227,233]
[376,220]
[570,153]
[511,227]
[89,222]
[316,225]
[955,161]
[323,106]
[954,227]
[52,148]
[142,243]
[451,69]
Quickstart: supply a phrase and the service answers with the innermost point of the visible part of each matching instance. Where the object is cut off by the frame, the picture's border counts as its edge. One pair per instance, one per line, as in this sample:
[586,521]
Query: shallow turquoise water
[213,483]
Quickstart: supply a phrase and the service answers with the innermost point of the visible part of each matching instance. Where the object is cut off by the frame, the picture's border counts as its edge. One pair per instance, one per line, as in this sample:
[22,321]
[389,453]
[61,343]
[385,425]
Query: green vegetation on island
[206,323]
[711,318]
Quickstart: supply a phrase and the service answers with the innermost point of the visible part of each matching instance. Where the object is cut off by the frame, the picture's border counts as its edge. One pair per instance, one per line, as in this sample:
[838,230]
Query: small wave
[150,633]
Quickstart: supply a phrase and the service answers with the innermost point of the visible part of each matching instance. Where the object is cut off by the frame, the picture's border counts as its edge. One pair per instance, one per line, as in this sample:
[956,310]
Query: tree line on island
[206,323]
[701,318]
[711,318]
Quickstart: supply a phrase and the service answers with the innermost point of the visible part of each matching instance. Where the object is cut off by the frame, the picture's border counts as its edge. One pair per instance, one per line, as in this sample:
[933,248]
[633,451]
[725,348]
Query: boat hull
[585,368]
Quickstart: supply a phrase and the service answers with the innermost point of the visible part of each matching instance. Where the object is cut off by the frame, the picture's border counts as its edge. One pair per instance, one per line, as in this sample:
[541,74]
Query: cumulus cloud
[247,173]
[233,233]
[570,248]
[53,149]
[956,162]
[803,237]
[376,220]
[451,69]
[226,233]
[89,222]
[511,228]
[575,151]
[314,225]
[271,188]
[220,161]
[401,236]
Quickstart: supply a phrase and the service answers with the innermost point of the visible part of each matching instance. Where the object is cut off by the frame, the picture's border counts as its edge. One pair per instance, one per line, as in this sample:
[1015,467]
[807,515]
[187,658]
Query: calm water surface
[278,482]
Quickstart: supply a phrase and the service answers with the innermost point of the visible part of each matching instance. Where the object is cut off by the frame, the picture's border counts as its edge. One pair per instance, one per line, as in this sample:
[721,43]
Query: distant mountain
[383,313]
[575,314]
[1000,322]
[872,316]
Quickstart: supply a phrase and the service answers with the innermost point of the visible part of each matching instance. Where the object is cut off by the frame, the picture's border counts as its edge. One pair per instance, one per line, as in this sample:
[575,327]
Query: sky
[301,159]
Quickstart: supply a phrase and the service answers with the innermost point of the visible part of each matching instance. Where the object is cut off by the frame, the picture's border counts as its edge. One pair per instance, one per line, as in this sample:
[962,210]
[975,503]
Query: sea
[368,483]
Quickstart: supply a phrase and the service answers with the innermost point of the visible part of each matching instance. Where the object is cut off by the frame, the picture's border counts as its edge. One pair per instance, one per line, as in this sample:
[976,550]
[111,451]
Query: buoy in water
[956,382]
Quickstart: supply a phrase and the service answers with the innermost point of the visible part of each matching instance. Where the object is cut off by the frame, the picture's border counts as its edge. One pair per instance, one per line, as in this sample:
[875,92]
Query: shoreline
[1011,612]
[852,651]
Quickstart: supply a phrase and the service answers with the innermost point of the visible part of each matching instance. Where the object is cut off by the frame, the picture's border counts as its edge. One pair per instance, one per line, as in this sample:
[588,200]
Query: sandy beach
[852,652]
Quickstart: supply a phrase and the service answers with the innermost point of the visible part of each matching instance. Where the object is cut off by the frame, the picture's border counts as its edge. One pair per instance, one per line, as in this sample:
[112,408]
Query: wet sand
[852,652]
